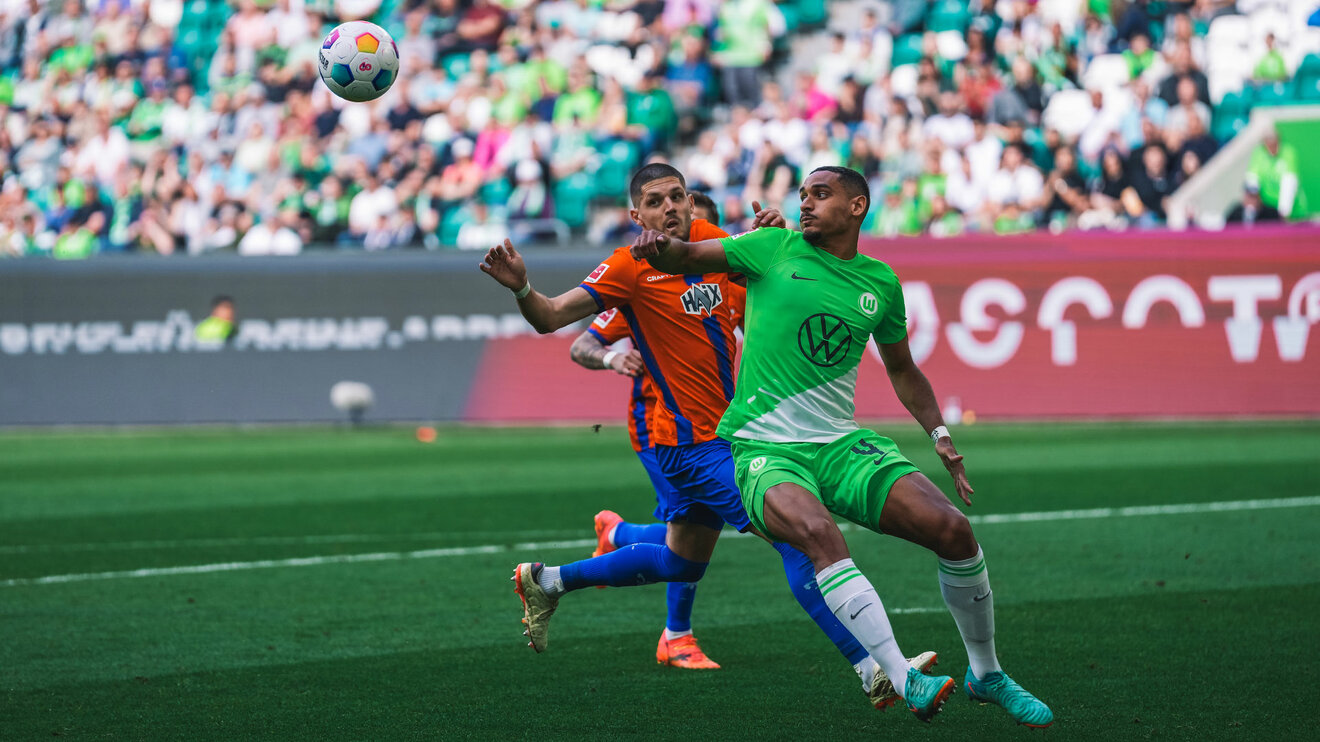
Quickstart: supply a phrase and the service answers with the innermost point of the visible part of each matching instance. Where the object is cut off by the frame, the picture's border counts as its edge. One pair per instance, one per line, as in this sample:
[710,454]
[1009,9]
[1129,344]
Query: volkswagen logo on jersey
[702,297]
[868,303]
[824,339]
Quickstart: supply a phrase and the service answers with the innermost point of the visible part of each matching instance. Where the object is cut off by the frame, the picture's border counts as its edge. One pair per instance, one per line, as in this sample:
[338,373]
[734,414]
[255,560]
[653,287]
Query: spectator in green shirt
[78,241]
[1139,56]
[74,57]
[745,46]
[899,214]
[144,124]
[1274,169]
[651,108]
[1271,67]
[582,101]
[219,326]
[943,221]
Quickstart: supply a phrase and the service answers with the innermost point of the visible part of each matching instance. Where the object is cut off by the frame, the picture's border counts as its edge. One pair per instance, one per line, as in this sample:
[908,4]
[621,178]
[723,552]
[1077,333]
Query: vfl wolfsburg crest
[824,339]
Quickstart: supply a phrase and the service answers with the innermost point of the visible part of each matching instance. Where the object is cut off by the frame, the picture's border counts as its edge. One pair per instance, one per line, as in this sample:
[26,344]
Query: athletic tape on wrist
[609,357]
[939,432]
[524,291]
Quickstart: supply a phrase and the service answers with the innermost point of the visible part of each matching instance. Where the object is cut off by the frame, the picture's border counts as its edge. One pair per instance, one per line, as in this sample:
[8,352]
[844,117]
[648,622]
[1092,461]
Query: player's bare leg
[917,511]
[794,515]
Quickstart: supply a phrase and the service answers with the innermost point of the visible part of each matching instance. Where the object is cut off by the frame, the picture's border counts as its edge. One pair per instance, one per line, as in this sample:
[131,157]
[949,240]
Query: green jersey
[808,319]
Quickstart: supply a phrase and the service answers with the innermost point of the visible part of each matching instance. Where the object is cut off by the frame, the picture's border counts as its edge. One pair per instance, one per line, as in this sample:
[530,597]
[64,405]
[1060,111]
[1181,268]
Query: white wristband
[524,291]
[609,357]
[939,432]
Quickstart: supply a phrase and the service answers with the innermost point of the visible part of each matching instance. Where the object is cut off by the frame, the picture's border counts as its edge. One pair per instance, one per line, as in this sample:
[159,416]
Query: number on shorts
[866,448]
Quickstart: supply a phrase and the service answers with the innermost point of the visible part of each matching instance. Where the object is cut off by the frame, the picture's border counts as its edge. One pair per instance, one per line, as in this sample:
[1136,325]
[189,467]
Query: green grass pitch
[1162,623]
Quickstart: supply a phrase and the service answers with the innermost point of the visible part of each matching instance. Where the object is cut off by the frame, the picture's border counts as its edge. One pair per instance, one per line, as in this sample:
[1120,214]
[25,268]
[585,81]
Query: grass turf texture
[1175,626]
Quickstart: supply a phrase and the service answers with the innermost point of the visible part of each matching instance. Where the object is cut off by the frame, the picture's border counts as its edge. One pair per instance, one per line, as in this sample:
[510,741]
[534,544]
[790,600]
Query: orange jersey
[610,327]
[683,327]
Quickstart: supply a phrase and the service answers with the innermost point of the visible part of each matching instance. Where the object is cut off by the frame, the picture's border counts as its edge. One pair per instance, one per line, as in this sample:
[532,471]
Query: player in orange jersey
[684,335]
[591,350]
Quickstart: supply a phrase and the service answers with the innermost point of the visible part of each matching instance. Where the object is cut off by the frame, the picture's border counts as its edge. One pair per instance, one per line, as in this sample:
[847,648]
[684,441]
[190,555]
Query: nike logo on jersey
[979,598]
[859,611]
[801,278]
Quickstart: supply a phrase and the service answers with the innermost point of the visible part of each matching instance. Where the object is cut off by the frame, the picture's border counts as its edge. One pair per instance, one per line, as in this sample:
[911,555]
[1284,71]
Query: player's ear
[859,205]
[636,218]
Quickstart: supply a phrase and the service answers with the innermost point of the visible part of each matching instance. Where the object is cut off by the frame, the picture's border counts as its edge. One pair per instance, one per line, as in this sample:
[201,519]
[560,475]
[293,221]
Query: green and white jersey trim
[818,415]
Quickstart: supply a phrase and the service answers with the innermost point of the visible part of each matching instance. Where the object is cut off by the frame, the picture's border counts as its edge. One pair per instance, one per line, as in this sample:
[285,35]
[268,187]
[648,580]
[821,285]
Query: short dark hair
[648,173]
[853,183]
[221,299]
[703,201]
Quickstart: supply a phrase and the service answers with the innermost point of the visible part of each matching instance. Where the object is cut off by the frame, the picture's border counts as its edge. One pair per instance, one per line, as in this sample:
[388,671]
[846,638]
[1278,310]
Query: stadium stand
[194,126]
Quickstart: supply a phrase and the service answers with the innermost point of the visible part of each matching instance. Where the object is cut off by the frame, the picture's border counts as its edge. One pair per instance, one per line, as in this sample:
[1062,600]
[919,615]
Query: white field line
[330,538]
[461,551]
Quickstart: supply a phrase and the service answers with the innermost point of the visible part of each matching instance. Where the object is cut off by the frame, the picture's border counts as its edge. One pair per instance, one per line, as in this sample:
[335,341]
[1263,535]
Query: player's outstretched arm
[914,391]
[546,314]
[589,352]
[678,257]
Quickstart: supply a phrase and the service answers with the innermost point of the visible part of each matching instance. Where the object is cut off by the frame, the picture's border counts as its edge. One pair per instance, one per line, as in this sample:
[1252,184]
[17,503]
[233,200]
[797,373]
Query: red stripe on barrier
[1093,325]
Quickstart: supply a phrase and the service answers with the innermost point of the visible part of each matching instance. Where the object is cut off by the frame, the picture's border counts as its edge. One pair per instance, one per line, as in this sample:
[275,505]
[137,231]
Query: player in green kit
[813,301]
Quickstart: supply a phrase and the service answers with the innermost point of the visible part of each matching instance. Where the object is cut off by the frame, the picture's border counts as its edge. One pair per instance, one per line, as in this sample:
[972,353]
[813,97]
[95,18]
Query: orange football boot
[683,652]
[606,520]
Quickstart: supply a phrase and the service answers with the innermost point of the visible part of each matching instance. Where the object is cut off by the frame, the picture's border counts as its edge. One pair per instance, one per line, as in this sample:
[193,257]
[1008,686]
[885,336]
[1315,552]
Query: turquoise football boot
[926,694]
[1001,690]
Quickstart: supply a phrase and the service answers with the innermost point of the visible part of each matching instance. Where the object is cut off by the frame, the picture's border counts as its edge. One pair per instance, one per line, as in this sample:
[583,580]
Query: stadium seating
[455,99]
[1230,116]
[1306,85]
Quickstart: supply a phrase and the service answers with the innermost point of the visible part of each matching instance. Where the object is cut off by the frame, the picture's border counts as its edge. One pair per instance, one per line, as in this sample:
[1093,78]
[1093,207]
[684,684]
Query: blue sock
[634,533]
[639,564]
[802,579]
[680,598]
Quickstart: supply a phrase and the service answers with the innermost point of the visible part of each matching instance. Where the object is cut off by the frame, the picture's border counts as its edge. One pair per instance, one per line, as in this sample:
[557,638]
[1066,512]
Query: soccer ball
[359,61]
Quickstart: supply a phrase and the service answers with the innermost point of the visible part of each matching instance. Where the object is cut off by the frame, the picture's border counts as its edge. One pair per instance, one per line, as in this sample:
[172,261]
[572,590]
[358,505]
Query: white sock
[610,536]
[857,606]
[550,582]
[672,635]
[866,670]
[965,585]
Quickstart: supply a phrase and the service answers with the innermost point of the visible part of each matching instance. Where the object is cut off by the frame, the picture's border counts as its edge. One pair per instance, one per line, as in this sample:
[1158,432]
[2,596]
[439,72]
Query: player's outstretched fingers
[953,463]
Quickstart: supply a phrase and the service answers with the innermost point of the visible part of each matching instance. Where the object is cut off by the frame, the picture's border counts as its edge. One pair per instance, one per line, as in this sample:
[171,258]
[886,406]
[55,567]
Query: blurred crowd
[1017,115]
[191,126]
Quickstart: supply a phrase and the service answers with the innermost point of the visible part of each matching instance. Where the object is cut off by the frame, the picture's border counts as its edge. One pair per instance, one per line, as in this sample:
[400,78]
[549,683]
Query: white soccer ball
[358,61]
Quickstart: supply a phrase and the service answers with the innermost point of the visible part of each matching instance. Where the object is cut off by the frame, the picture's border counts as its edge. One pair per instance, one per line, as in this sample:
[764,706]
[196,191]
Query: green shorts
[851,476]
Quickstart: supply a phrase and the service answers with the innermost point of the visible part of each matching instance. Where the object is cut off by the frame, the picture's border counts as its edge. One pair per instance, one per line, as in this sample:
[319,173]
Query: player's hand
[627,364]
[648,244]
[504,264]
[953,462]
[767,217]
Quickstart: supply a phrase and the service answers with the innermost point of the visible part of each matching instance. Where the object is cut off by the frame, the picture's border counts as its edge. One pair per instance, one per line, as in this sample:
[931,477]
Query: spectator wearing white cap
[462,178]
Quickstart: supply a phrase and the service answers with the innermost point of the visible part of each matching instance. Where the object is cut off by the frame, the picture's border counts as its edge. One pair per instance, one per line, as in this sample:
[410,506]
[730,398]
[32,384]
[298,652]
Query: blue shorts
[702,488]
[664,491]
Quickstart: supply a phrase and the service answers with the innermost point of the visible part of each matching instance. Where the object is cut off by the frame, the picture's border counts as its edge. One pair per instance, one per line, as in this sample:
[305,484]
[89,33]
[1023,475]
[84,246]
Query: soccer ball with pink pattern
[358,61]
